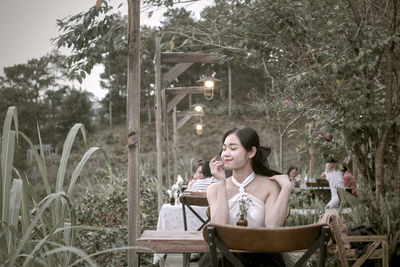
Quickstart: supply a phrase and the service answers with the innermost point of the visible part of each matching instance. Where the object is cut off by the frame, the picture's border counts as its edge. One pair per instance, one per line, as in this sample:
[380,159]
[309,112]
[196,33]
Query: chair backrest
[280,239]
[194,200]
[229,238]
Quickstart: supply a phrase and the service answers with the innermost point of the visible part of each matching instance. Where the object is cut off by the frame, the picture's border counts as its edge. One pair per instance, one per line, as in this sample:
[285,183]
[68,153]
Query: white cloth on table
[256,210]
[170,218]
[335,180]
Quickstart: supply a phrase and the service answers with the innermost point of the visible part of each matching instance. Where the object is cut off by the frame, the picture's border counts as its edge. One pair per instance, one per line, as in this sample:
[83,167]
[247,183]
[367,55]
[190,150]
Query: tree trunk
[312,159]
[229,90]
[397,178]
[281,152]
[380,152]
[133,121]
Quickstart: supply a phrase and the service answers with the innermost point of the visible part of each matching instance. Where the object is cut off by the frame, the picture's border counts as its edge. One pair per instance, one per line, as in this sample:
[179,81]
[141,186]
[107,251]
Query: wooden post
[166,135]
[157,69]
[175,143]
[230,89]
[133,121]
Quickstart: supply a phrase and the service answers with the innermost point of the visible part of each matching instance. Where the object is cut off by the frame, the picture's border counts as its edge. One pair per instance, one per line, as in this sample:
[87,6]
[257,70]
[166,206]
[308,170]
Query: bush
[105,206]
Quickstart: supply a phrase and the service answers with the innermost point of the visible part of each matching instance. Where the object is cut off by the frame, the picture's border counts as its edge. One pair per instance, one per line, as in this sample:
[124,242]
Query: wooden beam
[182,57]
[173,73]
[175,142]
[185,90]
[174,102]
[185,113]
[184,120]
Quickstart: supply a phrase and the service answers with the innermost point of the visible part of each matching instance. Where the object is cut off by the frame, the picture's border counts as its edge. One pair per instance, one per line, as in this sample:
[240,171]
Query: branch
[293,121]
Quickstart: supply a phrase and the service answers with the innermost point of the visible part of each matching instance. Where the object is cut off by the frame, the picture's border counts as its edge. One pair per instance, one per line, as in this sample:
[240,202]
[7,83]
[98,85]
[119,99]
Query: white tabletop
[171,219]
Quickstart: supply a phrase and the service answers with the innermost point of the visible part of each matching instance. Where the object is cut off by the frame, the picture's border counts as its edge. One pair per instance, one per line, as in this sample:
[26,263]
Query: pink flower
[327,137]
[316,133]
[287,101]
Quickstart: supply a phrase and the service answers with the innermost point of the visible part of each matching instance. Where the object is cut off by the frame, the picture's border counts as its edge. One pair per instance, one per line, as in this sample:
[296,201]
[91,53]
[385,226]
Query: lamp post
[208,85]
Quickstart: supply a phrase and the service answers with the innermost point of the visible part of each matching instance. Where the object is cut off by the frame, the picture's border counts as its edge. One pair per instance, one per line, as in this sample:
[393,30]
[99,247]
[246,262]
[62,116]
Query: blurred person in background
[197,174]
[203,183]
[349,180]
[334,176]
[295,177]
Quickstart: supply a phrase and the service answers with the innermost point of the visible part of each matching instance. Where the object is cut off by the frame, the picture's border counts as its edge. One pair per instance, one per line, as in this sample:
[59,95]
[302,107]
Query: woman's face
[293,173]
[234,154]
[198,174]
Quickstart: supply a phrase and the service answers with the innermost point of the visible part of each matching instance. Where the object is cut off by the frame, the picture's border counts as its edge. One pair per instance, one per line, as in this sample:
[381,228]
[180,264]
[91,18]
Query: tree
[341,55]
[76,107]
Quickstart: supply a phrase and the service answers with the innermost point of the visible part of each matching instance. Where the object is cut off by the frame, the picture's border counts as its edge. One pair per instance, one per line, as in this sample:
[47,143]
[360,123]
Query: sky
[27,26]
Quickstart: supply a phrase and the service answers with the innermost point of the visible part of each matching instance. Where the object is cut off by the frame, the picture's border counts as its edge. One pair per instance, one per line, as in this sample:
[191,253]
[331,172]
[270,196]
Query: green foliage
[384,215]
[306,210]
[39,91]
[44,234]
[75,107]
[89,37]
[105,205]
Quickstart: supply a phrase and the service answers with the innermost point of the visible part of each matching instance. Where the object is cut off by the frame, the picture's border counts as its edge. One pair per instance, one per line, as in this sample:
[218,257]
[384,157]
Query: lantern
[198,110]
[208,85]
[199,128]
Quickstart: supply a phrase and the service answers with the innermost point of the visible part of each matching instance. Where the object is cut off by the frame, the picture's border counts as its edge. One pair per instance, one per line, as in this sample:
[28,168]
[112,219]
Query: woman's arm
[217,195]
[277,204]
[218,201]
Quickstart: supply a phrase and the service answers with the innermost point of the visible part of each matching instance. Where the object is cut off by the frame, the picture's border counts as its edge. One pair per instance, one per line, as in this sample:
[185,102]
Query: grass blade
[81,164]
[63,164]
[15,204]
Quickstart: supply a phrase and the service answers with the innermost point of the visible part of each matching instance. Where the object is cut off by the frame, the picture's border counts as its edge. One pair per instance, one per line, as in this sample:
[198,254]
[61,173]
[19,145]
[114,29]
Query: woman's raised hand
[216,169]
[283,180]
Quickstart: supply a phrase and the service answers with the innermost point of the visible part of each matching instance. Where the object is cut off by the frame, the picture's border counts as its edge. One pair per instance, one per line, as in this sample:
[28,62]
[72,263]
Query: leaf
[334,68]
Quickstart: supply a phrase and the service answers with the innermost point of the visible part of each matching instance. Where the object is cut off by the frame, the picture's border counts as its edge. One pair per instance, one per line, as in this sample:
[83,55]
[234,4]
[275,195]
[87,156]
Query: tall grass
[45,234]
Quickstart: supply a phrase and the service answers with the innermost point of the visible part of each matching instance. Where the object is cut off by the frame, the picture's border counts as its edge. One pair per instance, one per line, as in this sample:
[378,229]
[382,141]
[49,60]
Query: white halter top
[256,211]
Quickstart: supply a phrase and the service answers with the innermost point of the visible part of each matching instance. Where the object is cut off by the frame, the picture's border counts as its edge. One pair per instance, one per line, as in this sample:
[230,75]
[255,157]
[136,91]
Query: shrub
[105,206]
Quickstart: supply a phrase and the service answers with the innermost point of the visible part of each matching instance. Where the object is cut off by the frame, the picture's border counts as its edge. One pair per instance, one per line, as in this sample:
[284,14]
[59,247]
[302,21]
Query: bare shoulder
[267,184]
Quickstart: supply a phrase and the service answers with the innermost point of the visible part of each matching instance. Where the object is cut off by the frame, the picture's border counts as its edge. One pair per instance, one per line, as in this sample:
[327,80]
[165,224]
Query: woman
[335,179]
[268,192]
[197,174]
[202,184]
[294,177]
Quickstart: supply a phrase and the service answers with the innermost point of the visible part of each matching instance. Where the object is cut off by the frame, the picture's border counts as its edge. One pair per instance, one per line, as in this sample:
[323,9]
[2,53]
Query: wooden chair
[228,239]
[193,200]
[189,200]
[377,250]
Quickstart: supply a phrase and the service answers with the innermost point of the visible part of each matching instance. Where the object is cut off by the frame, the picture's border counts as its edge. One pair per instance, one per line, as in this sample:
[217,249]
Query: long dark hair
[206,169]
[290,169]
[249,138]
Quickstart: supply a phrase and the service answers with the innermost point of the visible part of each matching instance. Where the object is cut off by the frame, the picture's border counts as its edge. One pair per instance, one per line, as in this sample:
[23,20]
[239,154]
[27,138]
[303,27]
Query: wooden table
[171,242]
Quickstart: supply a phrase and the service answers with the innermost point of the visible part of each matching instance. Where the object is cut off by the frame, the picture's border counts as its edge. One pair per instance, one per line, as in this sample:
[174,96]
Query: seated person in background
[294,177]
[349,180]
[197,174]
[207,179]
[335,179]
